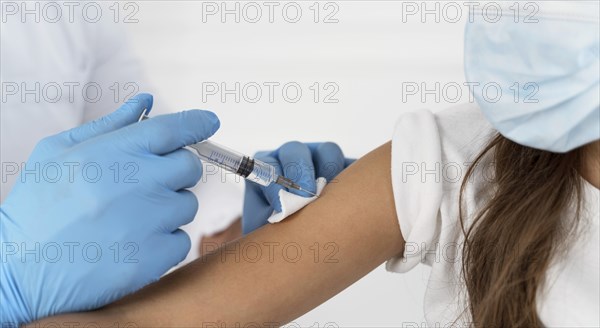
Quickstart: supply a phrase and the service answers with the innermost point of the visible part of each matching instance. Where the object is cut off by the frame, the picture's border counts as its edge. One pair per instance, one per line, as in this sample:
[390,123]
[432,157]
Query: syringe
[232,161]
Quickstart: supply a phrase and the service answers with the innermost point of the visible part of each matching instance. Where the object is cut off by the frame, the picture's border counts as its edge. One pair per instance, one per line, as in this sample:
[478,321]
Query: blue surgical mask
[538,72]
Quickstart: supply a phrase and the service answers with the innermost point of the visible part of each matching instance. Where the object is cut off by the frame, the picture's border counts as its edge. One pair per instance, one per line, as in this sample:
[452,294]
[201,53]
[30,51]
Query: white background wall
[369,53]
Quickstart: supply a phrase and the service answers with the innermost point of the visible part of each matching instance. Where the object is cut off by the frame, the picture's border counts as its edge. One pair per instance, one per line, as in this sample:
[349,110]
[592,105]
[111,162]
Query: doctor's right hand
[97,211]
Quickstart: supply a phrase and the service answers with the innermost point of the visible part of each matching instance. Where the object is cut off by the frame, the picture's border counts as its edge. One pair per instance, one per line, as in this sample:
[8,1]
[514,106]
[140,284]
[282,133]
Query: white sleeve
[114,67]
[430,153]
[416,155]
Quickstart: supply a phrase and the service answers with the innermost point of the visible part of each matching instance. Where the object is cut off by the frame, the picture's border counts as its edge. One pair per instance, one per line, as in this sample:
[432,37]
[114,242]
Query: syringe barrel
[219,155]
[262,173]
[232,161]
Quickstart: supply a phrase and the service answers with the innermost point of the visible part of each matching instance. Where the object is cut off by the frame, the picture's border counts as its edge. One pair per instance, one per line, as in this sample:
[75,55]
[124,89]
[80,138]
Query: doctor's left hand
[300,162]
[97,211]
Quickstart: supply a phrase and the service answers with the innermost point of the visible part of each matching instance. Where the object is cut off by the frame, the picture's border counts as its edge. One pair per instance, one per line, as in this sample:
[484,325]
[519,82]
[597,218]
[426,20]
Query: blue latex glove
[83,240]
[302,163]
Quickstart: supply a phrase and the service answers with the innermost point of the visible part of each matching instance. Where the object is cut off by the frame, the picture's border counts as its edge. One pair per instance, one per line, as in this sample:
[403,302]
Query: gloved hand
[302,163]
[95,215]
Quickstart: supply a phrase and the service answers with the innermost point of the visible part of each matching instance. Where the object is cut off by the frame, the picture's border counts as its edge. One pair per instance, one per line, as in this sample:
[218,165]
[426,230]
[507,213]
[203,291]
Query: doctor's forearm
[281,271]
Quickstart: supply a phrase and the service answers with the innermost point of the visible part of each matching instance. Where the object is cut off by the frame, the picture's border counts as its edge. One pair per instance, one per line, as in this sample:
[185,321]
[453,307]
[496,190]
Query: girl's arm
[281,271]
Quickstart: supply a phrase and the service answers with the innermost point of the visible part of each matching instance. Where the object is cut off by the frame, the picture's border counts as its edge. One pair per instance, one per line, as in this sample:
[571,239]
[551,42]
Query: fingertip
[149,102]
[184,243]
[191,205]
[329,147]
[296,158]
[196,167]
[329,160]
[213,118]
[209,116]
[294,147]
[188,205]
[141,101]
[167,133]
[349,161]
[207,121]
[195,207]
[261,155]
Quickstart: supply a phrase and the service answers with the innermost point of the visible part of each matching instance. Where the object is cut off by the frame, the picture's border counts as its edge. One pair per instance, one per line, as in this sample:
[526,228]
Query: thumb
[125,115]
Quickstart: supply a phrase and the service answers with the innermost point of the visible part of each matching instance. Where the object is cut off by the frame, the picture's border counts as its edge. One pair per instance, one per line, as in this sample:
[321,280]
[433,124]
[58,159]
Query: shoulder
[453,134]
[464,131]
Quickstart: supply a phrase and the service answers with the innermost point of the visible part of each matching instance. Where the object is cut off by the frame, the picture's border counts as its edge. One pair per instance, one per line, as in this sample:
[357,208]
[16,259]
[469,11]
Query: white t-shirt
[58,75]
[430,155]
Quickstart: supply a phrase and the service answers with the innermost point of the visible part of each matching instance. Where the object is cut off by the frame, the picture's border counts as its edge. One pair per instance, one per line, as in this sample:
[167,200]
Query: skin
[591,171]
[354,232]
[220,291]
[234,231]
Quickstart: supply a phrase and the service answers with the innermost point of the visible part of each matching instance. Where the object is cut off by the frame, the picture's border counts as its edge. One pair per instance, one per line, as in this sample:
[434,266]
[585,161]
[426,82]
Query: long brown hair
[511,241]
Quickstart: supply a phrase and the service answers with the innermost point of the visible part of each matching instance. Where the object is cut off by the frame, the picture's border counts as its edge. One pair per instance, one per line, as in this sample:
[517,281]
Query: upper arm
[282,270]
